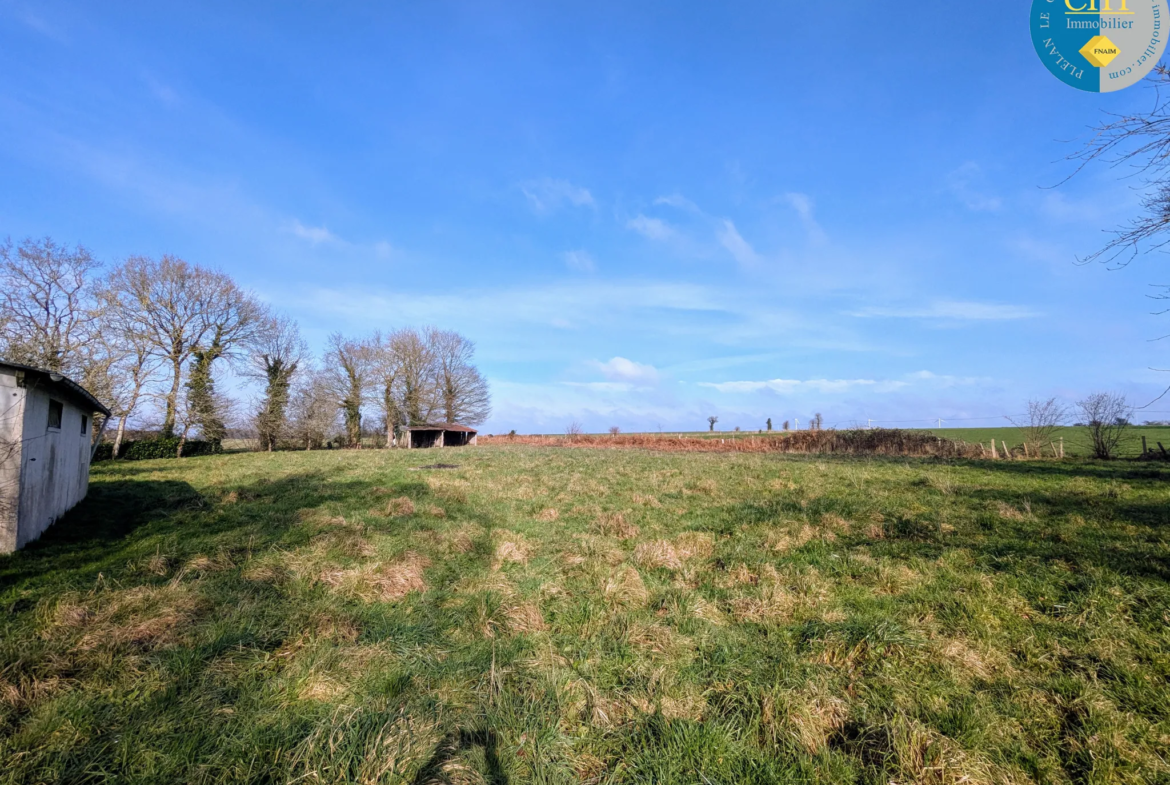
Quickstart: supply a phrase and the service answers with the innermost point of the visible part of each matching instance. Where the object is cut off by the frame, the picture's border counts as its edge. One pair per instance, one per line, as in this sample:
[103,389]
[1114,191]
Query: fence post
[994,454]
[1062,447]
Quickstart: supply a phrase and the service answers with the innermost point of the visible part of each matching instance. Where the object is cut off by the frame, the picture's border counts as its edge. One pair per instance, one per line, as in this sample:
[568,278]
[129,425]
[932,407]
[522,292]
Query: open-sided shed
[46,433]
[448,434]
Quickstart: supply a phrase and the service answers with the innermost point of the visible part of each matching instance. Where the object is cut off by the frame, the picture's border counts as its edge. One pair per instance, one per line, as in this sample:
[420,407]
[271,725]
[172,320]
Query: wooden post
[1006,452]
[1061,446]
[994,454]
[442,438]
[1026,450]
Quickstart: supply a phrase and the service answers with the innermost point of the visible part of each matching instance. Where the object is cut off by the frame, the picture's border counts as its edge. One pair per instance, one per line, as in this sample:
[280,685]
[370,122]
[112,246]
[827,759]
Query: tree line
[150,335]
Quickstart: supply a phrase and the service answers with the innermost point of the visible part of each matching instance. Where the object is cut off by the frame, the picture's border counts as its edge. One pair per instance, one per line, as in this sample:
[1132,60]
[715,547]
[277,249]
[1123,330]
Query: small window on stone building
[56,409]
[84,424]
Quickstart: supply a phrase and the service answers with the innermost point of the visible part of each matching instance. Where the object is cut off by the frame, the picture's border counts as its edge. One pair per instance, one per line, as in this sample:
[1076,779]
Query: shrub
[147,449]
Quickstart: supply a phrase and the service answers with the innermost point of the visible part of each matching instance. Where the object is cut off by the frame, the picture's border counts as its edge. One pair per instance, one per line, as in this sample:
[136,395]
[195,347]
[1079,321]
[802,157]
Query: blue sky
[643,213]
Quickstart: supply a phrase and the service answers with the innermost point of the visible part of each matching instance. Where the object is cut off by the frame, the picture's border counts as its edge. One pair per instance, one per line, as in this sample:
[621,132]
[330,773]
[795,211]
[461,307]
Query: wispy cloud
[548,194]
[620,369]
[652,228]
[803,205]
[680,202]
[965,184]
[314,234]
[952,310]
[612,387]
[163,92]
[799,385]
[581,261]
[740,249]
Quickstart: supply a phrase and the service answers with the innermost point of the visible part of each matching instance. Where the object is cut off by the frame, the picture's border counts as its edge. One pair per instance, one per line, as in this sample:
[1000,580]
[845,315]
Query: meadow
[551,615]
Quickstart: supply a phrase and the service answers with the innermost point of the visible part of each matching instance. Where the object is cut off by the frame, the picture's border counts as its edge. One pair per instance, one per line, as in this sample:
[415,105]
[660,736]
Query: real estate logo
[1099,45]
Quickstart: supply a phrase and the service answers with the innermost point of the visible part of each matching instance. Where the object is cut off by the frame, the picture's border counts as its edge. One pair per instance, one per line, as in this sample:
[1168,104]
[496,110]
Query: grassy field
[559,616]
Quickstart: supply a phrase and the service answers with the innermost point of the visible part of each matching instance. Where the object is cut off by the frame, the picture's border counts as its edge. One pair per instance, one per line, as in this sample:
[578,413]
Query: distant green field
[1076,441]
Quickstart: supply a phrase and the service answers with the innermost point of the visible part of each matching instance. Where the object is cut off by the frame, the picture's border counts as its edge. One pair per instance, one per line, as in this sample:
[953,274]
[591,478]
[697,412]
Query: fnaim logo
[1099,45]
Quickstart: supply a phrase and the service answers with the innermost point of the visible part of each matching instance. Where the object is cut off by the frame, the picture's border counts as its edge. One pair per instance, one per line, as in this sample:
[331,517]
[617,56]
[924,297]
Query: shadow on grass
[124,517]
[455,743]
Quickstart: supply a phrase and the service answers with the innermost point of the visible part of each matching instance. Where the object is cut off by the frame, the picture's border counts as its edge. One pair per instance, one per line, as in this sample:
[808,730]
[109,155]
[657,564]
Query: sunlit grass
[553,615]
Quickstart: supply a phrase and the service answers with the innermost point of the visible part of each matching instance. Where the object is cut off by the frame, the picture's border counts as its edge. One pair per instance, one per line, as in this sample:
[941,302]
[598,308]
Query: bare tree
[418,388]
[786,425]
[134,362]
[47,298]
[462,392]
[185,311]
[350,366]
[573,430]
[711,423]
[816,423]
[312,409]
[1044,418]
[277,353]
[1139,141]
[614,430]
[1107,418]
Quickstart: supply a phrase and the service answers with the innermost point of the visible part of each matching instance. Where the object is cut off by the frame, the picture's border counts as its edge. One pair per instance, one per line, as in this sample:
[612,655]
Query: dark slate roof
[446,426]
[65,382]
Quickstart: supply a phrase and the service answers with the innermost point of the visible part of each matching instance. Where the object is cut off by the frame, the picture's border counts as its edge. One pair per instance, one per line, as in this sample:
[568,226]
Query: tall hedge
[146,449]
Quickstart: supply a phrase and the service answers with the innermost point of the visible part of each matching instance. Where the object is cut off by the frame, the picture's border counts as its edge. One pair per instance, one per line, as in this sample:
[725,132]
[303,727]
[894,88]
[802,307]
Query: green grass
[567,615]
[1076,440]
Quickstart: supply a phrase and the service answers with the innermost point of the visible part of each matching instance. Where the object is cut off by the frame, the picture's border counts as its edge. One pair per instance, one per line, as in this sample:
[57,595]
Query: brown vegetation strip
[860,442]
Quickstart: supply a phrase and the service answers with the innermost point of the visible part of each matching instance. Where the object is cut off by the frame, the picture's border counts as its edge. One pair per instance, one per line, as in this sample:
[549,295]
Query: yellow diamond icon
[1100,51]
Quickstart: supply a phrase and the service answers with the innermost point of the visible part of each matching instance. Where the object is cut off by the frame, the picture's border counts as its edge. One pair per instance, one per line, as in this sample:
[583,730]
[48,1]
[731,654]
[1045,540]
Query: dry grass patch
[657,553]
[774,603]
[646,500]
[511,547]
[809,717]
[656,638]
[625,587]
[26,692]
[524,618]
[1008,512]
[783,541]
[615,525]
[672,554]
[399,507]
[143,617]
[694,545]
[548,515]
[381,582]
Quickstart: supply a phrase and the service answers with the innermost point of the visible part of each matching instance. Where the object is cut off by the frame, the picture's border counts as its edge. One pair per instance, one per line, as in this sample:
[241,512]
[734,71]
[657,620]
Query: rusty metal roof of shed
[446,426]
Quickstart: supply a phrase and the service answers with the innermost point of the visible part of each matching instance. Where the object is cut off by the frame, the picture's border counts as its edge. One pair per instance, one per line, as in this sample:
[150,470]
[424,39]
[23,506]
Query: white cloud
[622,370]
[680,202]
[803,205]
[314,234]
[603,386]
[964,183]
[653,228]
[547,194]
[799,385]
[740,249]
[581,261]
[951,310]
